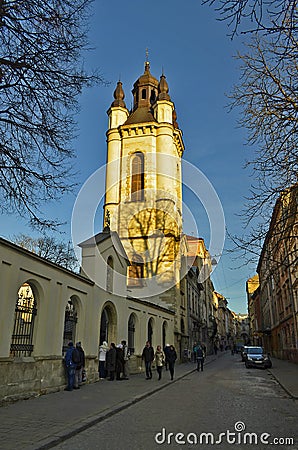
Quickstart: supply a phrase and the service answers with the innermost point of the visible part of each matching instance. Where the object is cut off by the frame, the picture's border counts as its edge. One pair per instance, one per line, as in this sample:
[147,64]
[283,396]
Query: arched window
[164,334]
[137,177]
[152,97]
[131,333]
[110,270]
[70,322]
[143,94]
[25,312]
[104,326]
[136,272]
[150,331]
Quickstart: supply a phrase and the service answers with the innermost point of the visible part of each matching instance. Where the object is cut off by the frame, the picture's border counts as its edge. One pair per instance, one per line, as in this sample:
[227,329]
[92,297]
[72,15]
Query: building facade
[278,273]
[143,196]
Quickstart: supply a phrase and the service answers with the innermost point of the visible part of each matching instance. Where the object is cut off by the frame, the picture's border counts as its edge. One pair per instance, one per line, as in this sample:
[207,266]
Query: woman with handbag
[160,360]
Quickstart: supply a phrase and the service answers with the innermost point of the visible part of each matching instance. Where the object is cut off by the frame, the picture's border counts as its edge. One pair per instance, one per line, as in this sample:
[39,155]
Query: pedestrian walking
[160,360]
[200,358]
[148,357]
[126,356]
[103,348]
[111,361]
[172,356]
[70,367]
[80,364]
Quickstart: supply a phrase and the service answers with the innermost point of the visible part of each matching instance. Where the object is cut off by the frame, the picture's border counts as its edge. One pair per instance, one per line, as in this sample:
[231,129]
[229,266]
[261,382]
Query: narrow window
[152,97]
[144,94]
[110,267]
[25,312]
[70,322]
[131,334]
[137,177]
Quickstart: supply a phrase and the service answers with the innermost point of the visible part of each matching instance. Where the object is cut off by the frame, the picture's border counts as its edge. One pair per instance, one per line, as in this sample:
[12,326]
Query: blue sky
[192,48]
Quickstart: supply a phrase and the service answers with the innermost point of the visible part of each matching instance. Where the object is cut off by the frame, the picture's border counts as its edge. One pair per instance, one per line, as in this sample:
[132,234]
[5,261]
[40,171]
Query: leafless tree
[50,248]
[41,77]
[262,16]
[267,95]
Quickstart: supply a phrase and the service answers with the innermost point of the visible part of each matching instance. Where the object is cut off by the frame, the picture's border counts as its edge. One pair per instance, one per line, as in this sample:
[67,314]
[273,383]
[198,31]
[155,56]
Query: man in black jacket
[148,357]
[200,358]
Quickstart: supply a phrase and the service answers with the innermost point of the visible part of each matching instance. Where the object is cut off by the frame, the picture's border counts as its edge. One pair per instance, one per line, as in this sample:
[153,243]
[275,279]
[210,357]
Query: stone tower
[143,200]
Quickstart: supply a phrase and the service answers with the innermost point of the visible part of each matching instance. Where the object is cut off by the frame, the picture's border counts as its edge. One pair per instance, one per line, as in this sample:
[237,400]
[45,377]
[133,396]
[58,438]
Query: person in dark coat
[166,351]
[200,358]
[79,367]
[172,356]
[119,362]
[111,361]
[148,357]
[70,367]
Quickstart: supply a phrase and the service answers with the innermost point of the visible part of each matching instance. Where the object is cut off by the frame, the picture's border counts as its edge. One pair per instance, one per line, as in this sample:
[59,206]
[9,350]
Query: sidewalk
[45,421]
[286,374]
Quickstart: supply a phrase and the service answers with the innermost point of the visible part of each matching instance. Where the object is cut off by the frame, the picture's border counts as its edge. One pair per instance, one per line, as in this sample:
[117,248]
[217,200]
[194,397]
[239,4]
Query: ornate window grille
[25,312]
[70,321]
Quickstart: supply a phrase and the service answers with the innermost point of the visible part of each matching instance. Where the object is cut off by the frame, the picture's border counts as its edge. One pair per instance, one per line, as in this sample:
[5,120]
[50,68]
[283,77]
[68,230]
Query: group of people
[75,366]
[166,357]
[113,361]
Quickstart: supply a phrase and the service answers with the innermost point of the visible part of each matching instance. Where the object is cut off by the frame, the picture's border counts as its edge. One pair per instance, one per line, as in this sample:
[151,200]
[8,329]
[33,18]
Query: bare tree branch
[41,78]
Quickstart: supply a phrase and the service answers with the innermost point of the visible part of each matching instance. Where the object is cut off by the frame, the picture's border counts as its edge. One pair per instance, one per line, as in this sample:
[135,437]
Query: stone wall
[23,378]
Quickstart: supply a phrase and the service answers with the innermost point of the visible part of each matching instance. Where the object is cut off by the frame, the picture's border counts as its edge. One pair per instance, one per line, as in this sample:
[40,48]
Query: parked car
[256,357]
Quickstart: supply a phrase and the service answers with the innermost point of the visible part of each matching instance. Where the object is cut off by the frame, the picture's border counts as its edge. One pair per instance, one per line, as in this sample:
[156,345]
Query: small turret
[119,96]
[163,89]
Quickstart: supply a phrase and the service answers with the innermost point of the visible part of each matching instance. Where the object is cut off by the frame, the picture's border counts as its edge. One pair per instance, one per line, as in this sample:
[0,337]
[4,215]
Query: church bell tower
[143,199]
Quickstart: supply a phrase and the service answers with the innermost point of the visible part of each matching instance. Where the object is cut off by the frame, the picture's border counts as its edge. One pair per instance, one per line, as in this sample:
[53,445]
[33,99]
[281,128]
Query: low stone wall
[23,378]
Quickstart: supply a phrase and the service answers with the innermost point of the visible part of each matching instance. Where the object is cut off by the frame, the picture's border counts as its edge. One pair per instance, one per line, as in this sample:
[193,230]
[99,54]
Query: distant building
[278,274]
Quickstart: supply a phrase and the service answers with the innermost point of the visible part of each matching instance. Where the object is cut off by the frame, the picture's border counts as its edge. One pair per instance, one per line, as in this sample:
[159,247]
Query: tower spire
[119,96]
[147,63]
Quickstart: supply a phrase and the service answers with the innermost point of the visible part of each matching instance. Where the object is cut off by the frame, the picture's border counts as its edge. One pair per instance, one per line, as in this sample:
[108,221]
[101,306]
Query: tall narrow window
[150,331]
[104,326]
[110,267]
[131,334]
[137,177]
[25,312]
[70,322]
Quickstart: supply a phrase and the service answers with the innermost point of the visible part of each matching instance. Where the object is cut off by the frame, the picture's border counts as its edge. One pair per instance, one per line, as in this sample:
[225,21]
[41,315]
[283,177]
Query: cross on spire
[147,64]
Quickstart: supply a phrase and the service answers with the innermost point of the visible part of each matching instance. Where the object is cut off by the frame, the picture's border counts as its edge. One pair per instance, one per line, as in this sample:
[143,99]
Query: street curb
[62,436]
[294,397]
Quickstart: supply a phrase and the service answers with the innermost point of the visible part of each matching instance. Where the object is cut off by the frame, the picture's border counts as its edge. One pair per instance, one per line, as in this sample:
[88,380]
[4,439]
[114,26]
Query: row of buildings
[273,292]
[44,306]
[142,278]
